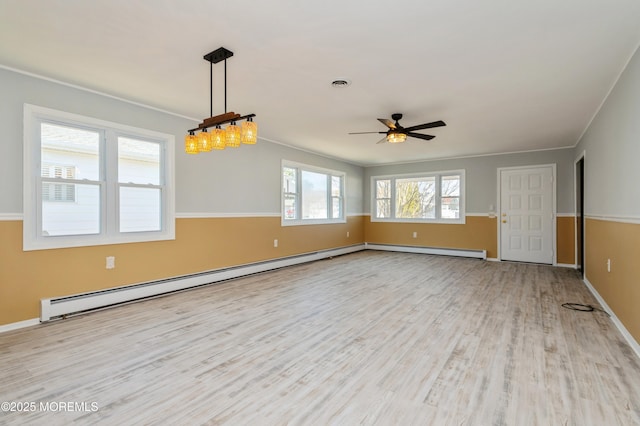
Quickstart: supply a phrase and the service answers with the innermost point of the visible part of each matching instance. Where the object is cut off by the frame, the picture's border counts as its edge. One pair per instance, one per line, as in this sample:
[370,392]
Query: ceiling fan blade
[364,133]
[438,123]
[420,136]
[390,124]
[383,140]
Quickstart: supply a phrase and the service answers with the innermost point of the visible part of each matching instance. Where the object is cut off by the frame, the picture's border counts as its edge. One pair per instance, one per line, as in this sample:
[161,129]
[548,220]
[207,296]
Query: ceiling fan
[397,133]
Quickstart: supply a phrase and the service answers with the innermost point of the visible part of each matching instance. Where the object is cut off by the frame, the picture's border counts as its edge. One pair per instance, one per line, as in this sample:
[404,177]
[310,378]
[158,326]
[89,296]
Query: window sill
[290,222]
[49,243]
[460,221]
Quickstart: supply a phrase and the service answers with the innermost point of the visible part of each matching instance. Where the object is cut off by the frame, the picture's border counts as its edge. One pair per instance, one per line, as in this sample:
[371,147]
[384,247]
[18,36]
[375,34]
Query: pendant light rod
[225,86]
[220,54]
[211,89]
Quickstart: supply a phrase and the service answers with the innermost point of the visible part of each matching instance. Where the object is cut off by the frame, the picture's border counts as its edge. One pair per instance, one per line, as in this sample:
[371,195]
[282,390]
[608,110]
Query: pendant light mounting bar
[218,55]
[221,119]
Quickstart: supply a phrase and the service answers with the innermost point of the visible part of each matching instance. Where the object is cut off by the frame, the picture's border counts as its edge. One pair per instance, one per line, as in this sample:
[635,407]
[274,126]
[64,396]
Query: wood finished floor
[367,338]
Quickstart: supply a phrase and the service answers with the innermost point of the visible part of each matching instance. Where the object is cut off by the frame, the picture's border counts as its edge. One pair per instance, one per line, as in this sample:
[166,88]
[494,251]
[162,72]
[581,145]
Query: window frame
[300,167]
[107,181]
[438,198]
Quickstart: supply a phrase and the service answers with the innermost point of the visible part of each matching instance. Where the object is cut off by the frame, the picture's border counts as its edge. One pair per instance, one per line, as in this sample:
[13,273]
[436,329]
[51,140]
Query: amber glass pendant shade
[204,141]
[233,135]
[219,138]
[191,144]
[249,132]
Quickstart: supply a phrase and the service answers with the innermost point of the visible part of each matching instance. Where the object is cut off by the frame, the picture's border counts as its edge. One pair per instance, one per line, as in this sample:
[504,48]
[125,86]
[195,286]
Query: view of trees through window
[422,197]
[415,198]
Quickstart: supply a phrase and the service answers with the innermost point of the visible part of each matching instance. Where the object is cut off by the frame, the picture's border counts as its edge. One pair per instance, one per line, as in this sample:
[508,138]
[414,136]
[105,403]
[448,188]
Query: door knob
[504,221]
[504,214]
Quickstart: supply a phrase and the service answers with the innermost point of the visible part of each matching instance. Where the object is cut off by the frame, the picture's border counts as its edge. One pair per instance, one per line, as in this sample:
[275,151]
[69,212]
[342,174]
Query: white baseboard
[559,265]
[18,325]
[478,254]
[625,333]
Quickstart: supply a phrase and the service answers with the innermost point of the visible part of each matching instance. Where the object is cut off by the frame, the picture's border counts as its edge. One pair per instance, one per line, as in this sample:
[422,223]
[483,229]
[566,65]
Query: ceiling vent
[340,83]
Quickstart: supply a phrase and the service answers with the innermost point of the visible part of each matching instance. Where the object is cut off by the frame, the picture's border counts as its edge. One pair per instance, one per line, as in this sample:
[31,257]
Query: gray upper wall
[611,146]
[481,176]
[242,181]
[247,180]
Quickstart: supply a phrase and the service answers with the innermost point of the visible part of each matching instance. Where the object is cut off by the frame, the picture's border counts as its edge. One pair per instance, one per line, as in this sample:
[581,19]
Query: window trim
[314,169]
[33,240]
[438,175]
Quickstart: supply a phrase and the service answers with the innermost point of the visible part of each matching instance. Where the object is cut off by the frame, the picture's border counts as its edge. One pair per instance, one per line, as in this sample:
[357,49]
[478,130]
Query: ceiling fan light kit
[396,137]
[219,138]
[398,134]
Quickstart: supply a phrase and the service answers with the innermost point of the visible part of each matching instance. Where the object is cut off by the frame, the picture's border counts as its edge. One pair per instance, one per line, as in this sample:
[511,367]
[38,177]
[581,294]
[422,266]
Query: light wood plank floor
[367,338]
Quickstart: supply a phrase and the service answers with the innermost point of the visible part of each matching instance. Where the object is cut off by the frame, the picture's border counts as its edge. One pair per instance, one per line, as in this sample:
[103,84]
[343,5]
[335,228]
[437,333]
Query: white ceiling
[504,75]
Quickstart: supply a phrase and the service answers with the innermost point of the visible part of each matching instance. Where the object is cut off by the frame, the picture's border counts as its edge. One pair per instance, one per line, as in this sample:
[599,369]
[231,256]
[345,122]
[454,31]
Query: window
[433,197]
[311,195]
[91,182]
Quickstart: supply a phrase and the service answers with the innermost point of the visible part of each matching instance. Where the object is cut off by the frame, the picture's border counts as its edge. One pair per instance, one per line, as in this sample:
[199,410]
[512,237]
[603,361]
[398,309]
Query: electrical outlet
[608,265]
[275,243]
[415,234]
[347,234]
[111,262]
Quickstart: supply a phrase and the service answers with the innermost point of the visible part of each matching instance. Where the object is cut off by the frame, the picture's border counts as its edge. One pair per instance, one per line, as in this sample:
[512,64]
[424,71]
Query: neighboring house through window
[95,182]
[60,192]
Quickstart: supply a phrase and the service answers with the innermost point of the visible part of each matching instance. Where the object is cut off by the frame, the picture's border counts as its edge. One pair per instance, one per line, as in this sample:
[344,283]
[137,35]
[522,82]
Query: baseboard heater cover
[68,305]
[478,254]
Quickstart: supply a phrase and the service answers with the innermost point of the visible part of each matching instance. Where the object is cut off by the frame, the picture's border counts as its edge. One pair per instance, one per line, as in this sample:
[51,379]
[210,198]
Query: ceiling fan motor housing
[396,133]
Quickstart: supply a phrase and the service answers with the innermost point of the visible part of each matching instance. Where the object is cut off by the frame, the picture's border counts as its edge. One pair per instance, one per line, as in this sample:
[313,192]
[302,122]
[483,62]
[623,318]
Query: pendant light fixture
[220,138]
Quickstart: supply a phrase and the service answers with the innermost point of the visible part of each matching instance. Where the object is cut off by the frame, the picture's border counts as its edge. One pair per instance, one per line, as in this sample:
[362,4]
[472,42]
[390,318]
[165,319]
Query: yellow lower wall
[479,232]
[200,245]
[566,240]
[620,288]
[211,243]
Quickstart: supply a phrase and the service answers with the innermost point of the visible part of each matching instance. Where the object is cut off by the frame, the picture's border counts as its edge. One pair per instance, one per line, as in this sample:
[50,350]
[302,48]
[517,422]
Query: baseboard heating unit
[61,307]
[478,254]
[69,305]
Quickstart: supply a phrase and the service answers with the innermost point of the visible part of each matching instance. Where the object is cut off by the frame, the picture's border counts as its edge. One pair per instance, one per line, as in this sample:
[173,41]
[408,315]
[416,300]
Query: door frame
[554,248]
[582,157]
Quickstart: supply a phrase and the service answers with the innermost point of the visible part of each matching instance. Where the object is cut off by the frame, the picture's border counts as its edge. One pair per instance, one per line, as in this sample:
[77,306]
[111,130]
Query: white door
[526,214]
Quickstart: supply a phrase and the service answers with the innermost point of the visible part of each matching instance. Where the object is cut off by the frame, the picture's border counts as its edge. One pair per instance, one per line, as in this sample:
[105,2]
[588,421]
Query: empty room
[345,213]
